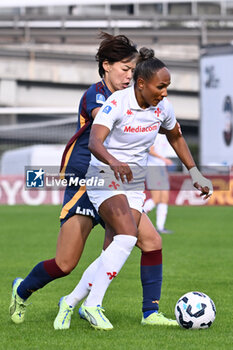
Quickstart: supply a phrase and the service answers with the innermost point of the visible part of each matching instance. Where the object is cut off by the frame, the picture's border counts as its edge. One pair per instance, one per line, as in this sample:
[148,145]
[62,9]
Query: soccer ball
[195,310]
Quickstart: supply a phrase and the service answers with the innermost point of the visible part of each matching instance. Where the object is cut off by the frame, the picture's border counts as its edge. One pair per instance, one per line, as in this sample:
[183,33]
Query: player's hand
[168,161]
[206,191]
[201,183]
[121,171]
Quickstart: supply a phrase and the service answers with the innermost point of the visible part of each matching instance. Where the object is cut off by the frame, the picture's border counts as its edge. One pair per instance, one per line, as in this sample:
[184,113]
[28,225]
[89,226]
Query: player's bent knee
[158,242]
[149,243]
[66,266]
[155,240]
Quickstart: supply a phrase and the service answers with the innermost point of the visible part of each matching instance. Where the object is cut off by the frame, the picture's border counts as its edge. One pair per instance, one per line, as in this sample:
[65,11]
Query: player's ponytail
[145,54]
[147,64]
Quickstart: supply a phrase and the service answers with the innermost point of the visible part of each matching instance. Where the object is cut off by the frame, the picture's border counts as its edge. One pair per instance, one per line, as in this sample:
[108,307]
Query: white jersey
[132,129]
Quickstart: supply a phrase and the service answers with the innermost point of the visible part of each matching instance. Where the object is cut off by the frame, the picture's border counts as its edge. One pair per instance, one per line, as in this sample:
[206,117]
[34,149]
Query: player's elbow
[174,138]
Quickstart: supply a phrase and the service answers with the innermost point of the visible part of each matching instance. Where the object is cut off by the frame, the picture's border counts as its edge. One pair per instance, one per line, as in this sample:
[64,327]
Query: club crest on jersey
[114,102]
[107,109]
[129,112]
[100,98]
[157,112]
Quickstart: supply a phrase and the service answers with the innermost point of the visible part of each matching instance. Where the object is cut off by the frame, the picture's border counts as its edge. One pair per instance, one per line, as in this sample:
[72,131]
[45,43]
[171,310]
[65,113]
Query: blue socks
[151,278]
[43,273]
[148,313]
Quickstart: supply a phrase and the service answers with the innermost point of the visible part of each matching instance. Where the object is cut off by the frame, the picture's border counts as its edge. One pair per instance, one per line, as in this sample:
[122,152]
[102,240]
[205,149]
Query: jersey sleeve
[94,99]
[170,120]
[107,115]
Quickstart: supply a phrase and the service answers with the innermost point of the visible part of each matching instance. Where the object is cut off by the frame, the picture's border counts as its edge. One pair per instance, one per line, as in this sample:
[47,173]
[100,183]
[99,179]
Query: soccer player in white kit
[122,134]
[157,181]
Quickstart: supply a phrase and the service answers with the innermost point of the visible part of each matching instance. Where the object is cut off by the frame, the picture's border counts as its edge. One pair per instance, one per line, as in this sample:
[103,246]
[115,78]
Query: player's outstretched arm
[181,148]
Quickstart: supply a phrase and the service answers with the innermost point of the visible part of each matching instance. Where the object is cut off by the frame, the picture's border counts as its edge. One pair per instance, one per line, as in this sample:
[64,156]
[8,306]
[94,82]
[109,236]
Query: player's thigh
[160,196]
[71,241]
[164,197]
[117,214]
[155,195]
[148,237]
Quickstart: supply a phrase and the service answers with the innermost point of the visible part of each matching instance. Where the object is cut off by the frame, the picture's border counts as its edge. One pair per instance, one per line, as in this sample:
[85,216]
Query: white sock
[83,287]
[161,215]
[149,205]
[110,264]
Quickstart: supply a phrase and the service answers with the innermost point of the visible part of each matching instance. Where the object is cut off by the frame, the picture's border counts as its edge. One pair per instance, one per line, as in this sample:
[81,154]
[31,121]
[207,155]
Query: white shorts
[98,194]
[136,199]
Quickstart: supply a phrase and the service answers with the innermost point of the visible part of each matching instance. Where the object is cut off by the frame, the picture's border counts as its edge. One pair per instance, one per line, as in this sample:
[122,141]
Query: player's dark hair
[114,49]
[147,64]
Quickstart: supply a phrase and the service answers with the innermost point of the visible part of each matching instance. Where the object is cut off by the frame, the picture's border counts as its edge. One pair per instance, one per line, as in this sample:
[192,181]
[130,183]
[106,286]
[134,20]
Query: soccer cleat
[63,319]
[165,231]
[95,316]
[81,312]
[158,319]
[17,307]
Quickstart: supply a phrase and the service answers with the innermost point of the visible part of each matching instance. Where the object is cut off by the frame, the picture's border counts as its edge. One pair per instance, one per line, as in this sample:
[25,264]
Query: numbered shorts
[76,201]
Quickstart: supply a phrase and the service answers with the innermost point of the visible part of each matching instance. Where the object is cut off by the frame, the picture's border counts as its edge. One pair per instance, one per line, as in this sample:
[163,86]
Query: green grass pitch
[198,256]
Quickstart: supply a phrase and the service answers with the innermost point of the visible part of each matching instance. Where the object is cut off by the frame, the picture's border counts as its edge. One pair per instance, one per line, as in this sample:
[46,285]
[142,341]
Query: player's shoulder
[165,103]
[113,104]
[96,88]
[115,100]
[166,106]
[119,96]
[97,92]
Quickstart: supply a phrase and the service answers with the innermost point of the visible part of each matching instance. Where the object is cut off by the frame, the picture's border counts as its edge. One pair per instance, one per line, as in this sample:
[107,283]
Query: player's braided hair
[147,64]
[114,49]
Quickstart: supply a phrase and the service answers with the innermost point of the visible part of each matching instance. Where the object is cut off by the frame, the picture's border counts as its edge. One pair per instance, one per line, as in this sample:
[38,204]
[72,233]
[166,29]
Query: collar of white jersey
[134,103]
